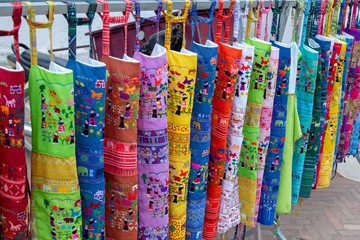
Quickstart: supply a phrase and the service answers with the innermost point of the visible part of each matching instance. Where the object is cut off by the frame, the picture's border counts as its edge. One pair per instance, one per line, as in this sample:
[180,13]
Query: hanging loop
[197,19]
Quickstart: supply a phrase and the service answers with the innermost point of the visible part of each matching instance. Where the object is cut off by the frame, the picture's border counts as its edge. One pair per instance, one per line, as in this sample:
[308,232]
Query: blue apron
[89,97]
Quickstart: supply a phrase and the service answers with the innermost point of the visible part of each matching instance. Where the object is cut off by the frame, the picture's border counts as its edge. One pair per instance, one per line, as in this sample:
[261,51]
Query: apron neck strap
[328,19]
[275,26]
[322,16]
[295,23]
[74,22]
[353,15]
[107,20]
[342,20]
[195,18]
[170,18]
[34,25]
[240,20]
[139,20]
[263,11]
[222,17]
[335,20]
[15,31]
[252,17]
[307,5]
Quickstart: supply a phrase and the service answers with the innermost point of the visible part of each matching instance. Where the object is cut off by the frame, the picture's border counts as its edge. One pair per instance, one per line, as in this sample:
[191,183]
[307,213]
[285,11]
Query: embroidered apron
[120,142]
[266,110]
[355,137]
[153,157]
[247,174]
[352,100]
[227,72]
[330,132]
[229,212]
[293,133]
[89,96]
[200,126]
[14,197]
[55,200]
[305,92]
[344,94]
[277,137]
[182,73]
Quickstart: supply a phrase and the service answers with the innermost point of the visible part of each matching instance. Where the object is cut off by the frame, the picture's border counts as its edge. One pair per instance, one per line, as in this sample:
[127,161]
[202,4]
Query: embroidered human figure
[11,126]
[151,204]
[56,138]
[192,187]
[43,104]
[200,96]
[112,211]
[102,234]
[181,187]
[205,88]
[127,110]
[126,228]
[86,128]
[61,125]
[91,223]
[72,138]
[130,214]
[110,90]
[109,105]
[178,111]
[224,94]
[175,197]
[86,232]
[148,190]
[198,176]
[102,134]
[75,236]
[53,234]
[52,220]
[184,97]
[92,117]
[43,121]
[7,139]
[122,124]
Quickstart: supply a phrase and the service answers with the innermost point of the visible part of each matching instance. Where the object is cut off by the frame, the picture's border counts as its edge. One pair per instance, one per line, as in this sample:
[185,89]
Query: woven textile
[13,170]
[277,138]
[89,79]
[247,175]
[229,213]
[305,92]
[312,154]
[200,127]
[292,133]
[55,188]
[355,137]
[120,135]
[352,100]
[330,134]
[265,123]
[153,156]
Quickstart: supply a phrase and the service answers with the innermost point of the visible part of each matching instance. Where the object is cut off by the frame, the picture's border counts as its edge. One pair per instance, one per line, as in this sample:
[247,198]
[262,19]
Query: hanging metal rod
[41,8]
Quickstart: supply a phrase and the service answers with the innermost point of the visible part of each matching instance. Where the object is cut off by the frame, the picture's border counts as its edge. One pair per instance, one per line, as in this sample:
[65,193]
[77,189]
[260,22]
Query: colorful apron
[200,127]
[336,76]
[277,138]
[305,92]
[153,156]
[229,213]
[355,137]
[344,94]
[120,142]
[226,73]
[55,200]
[89,96]
[352,99]
[14,197]
[182,75]
[293,133]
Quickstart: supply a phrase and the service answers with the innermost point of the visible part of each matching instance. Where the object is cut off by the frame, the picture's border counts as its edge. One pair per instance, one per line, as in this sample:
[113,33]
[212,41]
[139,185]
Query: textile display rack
[209,129]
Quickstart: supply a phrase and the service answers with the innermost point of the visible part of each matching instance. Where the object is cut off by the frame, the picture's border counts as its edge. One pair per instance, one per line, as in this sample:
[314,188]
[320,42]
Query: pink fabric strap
[107,20]
[262,11]
[220,18]
[322,15]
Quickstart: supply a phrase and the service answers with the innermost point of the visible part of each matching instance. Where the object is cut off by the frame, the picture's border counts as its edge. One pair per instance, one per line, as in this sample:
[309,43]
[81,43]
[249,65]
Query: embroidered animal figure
[68,220]
[93,205]
[183,174]
[263,62]
[132,197]
[5,109]
[287,68]
[14,227]
[57,110]
[244,68]
[158,81]
[15,88]
[75,214]
[177,178]
[181,86]
[9,103]
[96,95]
[311,70]
[282,72]
[204,74]
[196,166]
[72,101]
[186,81]
[130,90]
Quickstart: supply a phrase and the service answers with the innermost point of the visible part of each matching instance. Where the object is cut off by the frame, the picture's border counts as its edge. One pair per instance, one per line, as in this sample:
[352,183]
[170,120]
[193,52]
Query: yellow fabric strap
[34,25]
[170,18]
[252,17]
[329,14]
